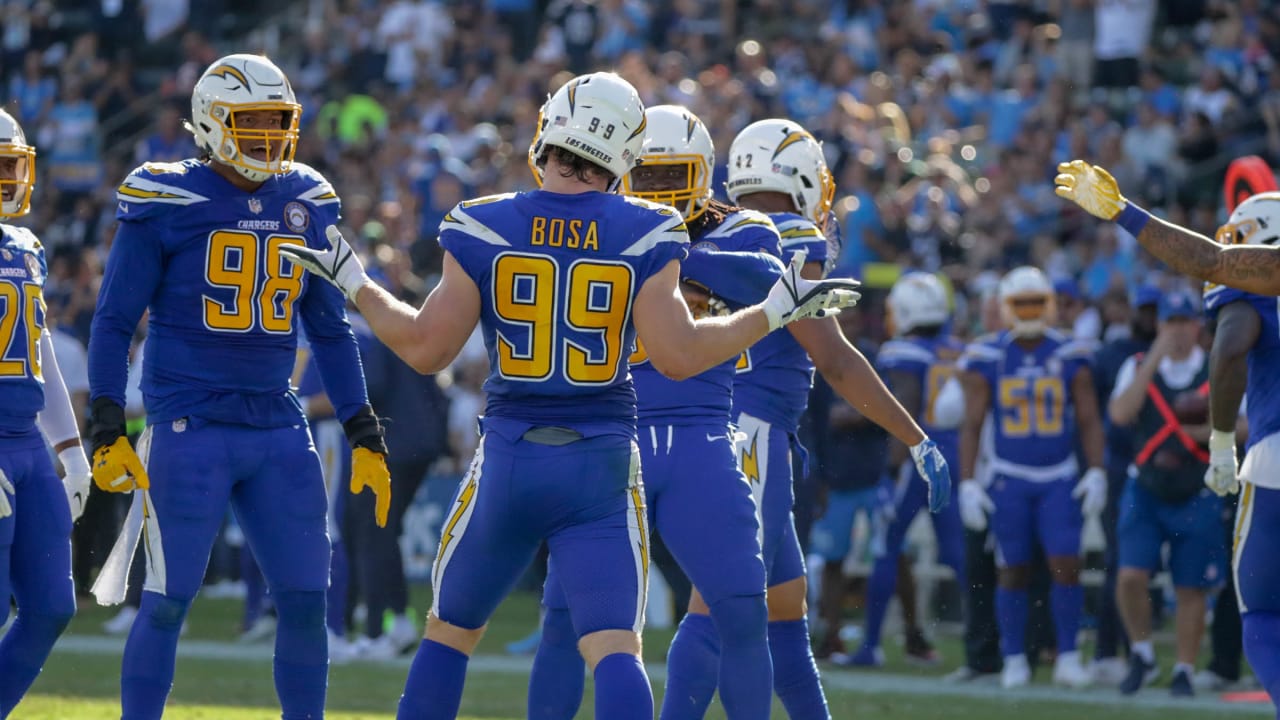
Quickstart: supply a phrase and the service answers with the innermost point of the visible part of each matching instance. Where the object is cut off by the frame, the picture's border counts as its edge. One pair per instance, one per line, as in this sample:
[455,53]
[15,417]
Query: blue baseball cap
[1147,295]
[1177,304]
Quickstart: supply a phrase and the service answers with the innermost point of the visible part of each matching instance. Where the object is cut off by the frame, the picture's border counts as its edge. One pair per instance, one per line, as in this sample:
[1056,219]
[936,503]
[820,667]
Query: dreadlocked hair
[711,218]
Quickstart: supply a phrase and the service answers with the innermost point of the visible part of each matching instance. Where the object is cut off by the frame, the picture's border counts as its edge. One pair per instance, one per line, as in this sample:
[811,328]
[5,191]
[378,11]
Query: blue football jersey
[22,275]
[708,397]
[1034,418]
[775,374]
[1264,358]
[204,256]
[558,275]
[932,361]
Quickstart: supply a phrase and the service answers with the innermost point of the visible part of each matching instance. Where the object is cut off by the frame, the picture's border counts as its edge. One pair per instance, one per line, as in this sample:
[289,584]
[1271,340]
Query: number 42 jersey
[204,256]
[558,275]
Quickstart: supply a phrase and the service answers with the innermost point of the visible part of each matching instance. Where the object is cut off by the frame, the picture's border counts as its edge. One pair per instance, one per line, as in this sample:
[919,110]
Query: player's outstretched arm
[1237,331]
[1252,268]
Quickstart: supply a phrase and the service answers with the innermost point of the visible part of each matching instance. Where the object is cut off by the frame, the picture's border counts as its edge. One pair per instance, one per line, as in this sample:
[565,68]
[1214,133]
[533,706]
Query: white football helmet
[675,137]
[245,83]
[1027,302]
[597,116]
[779,155]
[917,300]
[16,198]
[1255,221]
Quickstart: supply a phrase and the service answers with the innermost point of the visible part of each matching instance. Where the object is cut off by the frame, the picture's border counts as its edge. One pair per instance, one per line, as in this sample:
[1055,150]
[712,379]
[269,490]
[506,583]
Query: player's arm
[58,423]
[910,394]
[134,269]
[977,400]
[430,337]
[1238,329]
[1130,392]
[739,278]
[1088,417]
[1253,268]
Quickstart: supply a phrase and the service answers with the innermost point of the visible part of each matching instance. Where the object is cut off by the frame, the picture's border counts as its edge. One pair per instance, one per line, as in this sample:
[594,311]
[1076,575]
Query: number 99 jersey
[204,256]
[558,275]
[22,275]
[1034,431]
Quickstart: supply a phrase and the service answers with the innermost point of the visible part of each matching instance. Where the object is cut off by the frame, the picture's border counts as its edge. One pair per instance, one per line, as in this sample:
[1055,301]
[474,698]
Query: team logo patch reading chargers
[296,217]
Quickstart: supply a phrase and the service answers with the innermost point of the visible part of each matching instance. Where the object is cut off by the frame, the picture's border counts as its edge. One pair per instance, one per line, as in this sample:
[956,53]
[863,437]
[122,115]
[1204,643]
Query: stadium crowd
[942,121]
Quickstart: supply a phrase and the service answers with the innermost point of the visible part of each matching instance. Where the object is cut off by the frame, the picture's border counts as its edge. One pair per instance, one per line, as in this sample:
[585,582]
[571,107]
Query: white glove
[6,509]
[76,481]
[1221,476]
[794,298]
[339,264]
[1093,489]
[975,505]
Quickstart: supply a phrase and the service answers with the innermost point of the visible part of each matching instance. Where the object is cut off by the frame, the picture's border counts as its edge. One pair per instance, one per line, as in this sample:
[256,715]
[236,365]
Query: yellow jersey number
[935,380]
[597,302]
[1032,406]
[25,300]
[233,262]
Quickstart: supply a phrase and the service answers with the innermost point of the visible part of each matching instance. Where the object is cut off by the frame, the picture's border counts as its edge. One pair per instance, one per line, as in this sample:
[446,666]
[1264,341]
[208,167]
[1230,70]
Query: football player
[916,363]
[697,498]
[1038,387]
[199,244]
[562,280]
[35,409]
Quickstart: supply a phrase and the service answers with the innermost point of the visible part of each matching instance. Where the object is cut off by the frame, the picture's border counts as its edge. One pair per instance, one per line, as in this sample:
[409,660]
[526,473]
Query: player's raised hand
[116,468]
[933,468]
[795,298]
[339,264]
[1090,187]
[975,505]
[76,480]
[369,470]
[1220,476]
[6,489]
[1091,491]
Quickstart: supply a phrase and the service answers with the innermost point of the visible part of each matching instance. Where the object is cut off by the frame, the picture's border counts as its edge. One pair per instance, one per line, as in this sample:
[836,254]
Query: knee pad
[164,613]
[741,619]
[300,608]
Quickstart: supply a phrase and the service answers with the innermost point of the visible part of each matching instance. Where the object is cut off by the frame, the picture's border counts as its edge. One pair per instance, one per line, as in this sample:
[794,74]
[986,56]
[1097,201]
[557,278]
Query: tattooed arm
[1252,268]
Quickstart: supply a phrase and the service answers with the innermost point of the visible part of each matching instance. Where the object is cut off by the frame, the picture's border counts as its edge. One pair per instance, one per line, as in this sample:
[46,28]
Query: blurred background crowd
[942,120]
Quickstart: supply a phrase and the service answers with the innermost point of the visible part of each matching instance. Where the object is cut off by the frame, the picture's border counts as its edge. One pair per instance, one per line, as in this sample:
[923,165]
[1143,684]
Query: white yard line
[862,683]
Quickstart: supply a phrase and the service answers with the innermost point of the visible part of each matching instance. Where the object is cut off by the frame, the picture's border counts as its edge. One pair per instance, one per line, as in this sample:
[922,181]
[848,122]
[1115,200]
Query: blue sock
[795,674]
[302,654]
[880,588]
[555,684]
[1011,616]
[746,668]
[693,668]
[23,651]
[1066,602]
[336,598]
[622,688]
[146,674]
[433,690]
[1262,648]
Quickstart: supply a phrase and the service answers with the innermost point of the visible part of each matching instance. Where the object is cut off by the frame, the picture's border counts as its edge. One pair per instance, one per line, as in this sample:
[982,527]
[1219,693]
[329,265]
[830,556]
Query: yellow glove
[116,468]
[369,469]
[1090,187]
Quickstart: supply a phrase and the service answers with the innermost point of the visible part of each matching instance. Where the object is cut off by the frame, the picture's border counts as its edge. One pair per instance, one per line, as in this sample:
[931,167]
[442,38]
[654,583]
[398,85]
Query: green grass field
[84,682]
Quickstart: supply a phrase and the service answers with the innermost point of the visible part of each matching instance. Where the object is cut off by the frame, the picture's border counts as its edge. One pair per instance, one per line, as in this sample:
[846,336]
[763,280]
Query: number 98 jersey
[558,275]
[204,256]
[1034,419]
[22,275]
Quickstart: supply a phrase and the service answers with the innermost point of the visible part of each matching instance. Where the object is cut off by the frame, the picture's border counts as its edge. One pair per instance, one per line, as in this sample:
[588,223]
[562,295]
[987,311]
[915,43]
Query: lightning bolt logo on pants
[750,465]
[464,501]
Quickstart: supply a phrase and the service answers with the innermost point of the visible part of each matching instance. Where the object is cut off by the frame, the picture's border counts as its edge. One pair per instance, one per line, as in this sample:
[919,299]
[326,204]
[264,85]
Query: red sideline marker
[1252,696]
[1246,177]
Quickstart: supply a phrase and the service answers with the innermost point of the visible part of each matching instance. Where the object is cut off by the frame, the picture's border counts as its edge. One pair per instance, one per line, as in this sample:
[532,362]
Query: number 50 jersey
[558,275]
[204,256]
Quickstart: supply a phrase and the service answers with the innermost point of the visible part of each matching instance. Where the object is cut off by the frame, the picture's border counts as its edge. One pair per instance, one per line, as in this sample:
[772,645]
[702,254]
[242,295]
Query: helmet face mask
[779,155]
[1027,302]
[226,107]
[1256,221]
[17,168]
[677,162]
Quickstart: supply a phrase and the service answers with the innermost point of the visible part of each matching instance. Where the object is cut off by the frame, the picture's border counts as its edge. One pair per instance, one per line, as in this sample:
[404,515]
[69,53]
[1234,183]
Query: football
[1191,408]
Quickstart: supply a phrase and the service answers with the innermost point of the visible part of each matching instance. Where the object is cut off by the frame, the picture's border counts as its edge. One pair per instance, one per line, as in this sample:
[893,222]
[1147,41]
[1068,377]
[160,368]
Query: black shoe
[1141,672]
[1180,684]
